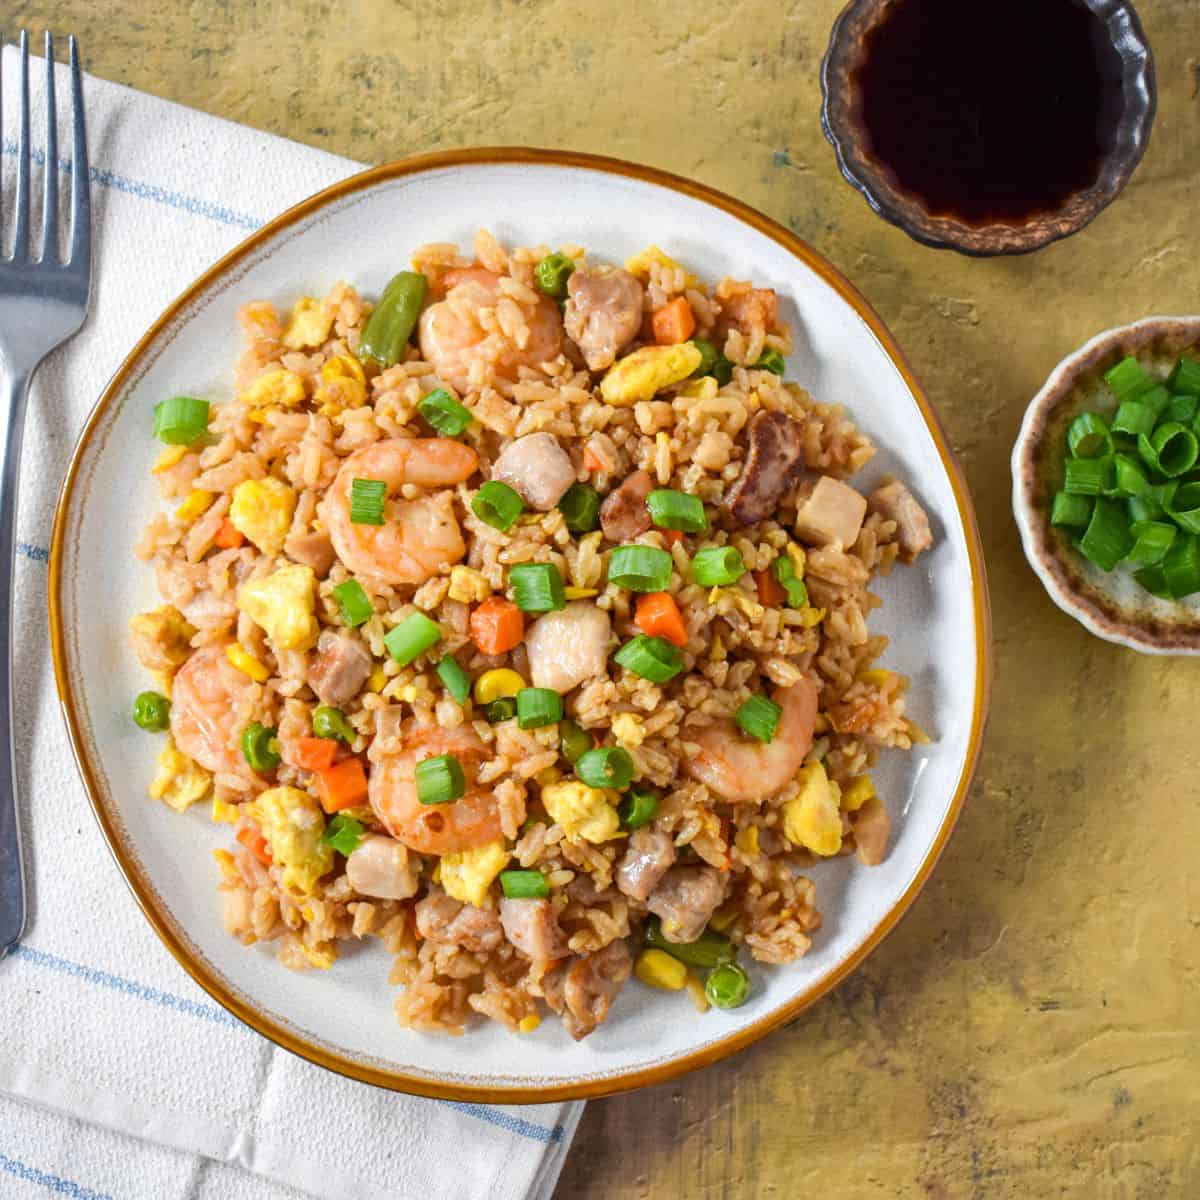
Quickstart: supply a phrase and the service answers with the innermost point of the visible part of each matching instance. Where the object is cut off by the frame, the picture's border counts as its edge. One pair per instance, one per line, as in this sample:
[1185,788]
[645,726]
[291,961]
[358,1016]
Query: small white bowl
[1110,604]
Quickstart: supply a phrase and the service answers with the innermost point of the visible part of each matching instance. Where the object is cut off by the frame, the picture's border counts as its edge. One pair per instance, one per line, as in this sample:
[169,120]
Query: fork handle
[14,393]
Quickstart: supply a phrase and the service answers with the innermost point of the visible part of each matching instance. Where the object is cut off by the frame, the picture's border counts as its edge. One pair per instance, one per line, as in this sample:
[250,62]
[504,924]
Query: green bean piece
[152,712]
[390,325]
[710,949]
[331,723]
[728,986]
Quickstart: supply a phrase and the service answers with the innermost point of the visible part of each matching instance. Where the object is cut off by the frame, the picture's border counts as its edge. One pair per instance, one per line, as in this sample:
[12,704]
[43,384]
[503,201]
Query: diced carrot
[314,753]
[770,591]
[228,536]
[646,333]
[497,625]
[591,461]
[342,786]
[251,837]
[658,616]
[671,536]
[674,322]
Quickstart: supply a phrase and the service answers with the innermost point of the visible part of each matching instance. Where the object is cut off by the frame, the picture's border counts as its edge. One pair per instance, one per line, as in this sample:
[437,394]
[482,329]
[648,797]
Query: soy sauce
[990,110]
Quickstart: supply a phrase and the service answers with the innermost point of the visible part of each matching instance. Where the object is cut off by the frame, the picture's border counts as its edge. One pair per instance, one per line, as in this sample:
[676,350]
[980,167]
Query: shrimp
[452,336]
[745,772]
[471,820]
[417,536]
[209,703]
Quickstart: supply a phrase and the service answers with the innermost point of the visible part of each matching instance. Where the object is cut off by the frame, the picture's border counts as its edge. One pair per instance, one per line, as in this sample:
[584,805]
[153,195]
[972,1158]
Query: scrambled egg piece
[627,729]
[812,817]
[704,388]
[343,385]
[224,813]
[282,603]
[262,510]
[180,782]
[468,874]
[308,326]
[645,372]
[641,262]
[582,811]
[857,792]
[166,635]
[468,585]
[273,389]
[292,823]
[747,840]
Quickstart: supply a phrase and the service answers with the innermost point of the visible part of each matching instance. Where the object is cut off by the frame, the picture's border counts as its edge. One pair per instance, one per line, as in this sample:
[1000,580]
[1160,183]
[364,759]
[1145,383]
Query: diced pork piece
[442,919]
[568,646]
[772,467]
[537,468]
[311,550]
[591,985]
[339,668]
[646,860]
[603,313]
[162,638]
[747,311]
[624,515]
[832,515]
[382,867]
[872,827]
[896,503]
[684,901]
[532,926]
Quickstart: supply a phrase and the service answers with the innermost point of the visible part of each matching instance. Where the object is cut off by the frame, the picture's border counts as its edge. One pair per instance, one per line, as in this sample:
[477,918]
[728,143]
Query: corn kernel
[198,502]
[747,840]
[811,617]
[377,680]
[578,593]
[497,684]
[168,458]
[875,678]
[468,586]
[530,1023]
[247,663]
[821,724]
[224,813]
[799,561]
[695,988]
[656,968]
[723,918]
[857,792]
[918,735]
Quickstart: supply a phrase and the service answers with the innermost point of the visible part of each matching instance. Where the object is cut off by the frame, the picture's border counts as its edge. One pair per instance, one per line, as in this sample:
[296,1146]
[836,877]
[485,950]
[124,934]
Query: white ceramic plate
[363,230]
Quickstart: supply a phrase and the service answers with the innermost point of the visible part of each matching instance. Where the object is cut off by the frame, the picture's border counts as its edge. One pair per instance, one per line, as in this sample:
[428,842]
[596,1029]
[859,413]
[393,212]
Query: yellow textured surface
[1033,1027]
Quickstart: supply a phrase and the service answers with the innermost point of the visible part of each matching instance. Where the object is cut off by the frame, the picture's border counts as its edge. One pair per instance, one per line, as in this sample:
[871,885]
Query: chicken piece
[449,922]
[162,638]
[624,515]
[537,468]
[747,311]
[603,313]
[646,860]
[339,668]
[685,899]
[311,550]
[532,926]
[569,646]
[382,867]
[872,827]
[894,502]
[591,985]
[772,467]
[832,515]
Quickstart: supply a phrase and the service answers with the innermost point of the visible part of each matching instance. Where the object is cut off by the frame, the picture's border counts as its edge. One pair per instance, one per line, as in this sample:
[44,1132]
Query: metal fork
[43,302]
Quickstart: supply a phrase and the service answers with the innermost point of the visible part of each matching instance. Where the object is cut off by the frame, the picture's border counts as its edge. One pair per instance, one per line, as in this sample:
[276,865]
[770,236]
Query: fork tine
[50,173]
[21,237]
[80,255]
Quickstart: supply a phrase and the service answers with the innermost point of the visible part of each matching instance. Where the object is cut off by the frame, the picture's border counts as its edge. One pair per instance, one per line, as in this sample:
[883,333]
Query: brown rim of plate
[843,127]
[200,971]
[1168,335]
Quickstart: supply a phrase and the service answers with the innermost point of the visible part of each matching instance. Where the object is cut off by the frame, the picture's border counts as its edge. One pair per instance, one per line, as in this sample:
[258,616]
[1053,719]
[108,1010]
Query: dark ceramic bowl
[842,121]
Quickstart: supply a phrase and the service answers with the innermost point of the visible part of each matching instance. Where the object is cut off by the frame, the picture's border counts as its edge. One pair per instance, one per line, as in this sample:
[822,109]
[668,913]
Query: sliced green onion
[1144,508]
[717,566]
[1088,476]
[445,413]
[1181,566]
[1182,409]
[352,602]
[552,273]
[1154,539]
[439,779]
[537,707]
[1147,453]
[759,717]
[1156,400]
[727,986]
[1107,539]
[260,748]
[710,949]
[784,571]
[638,807]
[537,587]
[640,568]
[1074,511]
[503,709]
[1184,507]
[1130,477]
[457,681]
[605,767]
[393,319]
[573,742]
[1175,447]
[771,360]
[1128,379]
[709,356]
[524,885]
[412,637]
[580,507]
[330,722]
[181,420]
[1088,436]
[651,658]
[152,712]
[1154,580]
[1185,377]
[497,505]
[677,510]
[367,500]
[1133,417]
[343,833]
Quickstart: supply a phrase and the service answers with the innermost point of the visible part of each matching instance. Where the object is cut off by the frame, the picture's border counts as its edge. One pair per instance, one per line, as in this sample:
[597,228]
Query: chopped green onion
[497,505]
[181,420]
[1088,436]
[1182,409]
[759,717]
[457,681]
[1185,377]
[784,571]
[1144,508]
[445,413]
[1184,507]
[580,507]
[727,986]
[717,566]
[330,722]
[343,833]
[1175,447]
[605,767]
[552,273]
[524,885]
[1088,476]
[1075,511]
[1181,566]
[367,500]
[676,510]
[1133,417]
[573,742]
[503,709]
[537,707]
[393,319]
[1154,539]
[1154,580]
[1107,539]
[152,712]
[1156,400]
[771,360]
[1147,454]
[1128,379]
[709,356]
[352,603]
[640,568]
[260,748]
[638,807]
[537,587]
[439,779]
[412,637]
[710,949]
[1130,477]
[651,658]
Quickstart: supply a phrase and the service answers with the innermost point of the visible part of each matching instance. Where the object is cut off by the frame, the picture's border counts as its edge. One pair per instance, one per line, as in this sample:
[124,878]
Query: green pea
[728,986]
[573,742]
[503,709]
[331,723]
[708,356]
[710,949]
[393,319]
[152,712]
[260,747]
[552,274]
[772,361]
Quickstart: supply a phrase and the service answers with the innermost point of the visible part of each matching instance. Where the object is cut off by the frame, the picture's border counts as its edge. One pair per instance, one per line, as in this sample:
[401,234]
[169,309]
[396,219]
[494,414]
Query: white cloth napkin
[119,1078]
